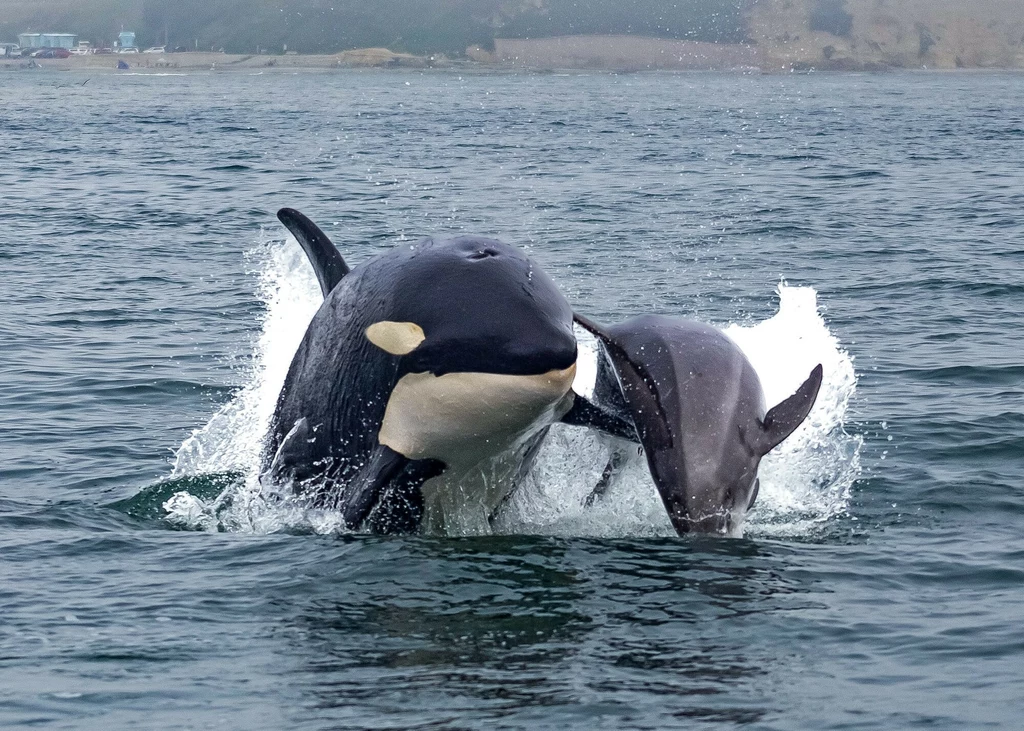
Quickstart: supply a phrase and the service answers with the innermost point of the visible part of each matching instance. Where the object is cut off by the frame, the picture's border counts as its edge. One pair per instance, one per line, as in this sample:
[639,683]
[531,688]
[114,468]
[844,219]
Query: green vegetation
[327,26]
[321,26]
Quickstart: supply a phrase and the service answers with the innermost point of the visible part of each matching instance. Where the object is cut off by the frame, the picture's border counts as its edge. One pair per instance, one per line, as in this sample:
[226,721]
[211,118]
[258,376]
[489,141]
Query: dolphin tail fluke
[783,419]
[327,261]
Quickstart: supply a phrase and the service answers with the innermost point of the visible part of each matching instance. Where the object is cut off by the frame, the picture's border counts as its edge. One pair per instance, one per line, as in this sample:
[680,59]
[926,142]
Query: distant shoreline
[195,61]
[573,53]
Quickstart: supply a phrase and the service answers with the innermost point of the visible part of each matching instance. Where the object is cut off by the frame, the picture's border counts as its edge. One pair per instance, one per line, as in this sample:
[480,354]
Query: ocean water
[151,303]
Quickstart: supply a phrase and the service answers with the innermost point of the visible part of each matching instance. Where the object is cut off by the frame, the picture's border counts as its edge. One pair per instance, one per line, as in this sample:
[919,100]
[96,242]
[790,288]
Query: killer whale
[420,364]
[697,407]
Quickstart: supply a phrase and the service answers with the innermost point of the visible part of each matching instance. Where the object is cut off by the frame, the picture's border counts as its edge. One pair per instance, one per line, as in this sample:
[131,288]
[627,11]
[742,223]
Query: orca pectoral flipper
[586,413]
[385,492]
[329,265]
[783,419]
[291,461]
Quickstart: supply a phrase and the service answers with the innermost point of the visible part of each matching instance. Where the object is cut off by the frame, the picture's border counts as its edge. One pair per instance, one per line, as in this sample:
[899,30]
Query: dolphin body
[697,407]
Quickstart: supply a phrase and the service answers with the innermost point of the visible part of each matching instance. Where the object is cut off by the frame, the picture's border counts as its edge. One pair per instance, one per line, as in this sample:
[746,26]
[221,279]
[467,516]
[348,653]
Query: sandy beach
[361,58]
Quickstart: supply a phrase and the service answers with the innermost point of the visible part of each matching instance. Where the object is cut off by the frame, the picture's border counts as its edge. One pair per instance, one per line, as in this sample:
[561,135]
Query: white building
[47,40]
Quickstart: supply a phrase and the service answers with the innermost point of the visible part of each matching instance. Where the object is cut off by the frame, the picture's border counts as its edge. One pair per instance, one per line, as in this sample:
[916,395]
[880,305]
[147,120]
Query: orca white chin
[463,418]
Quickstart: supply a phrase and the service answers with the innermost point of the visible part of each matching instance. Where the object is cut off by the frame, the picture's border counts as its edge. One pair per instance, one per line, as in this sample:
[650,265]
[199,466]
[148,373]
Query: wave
[804,483]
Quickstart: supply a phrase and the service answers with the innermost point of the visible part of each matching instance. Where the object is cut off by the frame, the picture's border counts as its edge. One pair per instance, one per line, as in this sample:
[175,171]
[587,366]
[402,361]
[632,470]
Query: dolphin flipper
[388,474]
[327,262]
[783,419]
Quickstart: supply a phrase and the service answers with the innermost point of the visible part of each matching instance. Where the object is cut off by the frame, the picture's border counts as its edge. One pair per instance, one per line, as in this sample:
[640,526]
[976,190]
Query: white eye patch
[397,338]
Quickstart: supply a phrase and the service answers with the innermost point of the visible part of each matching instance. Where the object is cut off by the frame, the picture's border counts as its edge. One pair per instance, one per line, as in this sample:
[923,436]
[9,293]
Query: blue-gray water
[133,296]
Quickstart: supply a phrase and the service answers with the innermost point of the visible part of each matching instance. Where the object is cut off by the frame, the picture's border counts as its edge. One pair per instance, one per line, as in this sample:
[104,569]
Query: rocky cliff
[850,34]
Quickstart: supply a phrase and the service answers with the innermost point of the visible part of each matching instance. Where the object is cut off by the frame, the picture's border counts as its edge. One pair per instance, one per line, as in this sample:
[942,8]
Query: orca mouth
[489,355]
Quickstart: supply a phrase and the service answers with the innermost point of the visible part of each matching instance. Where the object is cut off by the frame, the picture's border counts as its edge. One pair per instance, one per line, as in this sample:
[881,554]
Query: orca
[421,364]
[696,405]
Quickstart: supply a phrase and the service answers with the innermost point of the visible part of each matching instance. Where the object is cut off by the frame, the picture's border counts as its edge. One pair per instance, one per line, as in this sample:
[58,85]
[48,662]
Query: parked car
[156,49]
[104,51]
[52,53]
[128,49]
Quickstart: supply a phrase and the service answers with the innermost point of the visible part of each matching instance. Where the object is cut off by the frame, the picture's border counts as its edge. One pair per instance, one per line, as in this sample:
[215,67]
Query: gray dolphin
[698,409]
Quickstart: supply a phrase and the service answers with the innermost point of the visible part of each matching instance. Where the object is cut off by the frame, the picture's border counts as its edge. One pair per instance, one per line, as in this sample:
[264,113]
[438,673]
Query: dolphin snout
[720,523]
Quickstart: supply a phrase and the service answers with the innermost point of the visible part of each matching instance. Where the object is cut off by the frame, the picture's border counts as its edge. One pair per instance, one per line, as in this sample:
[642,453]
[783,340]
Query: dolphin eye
[482,254]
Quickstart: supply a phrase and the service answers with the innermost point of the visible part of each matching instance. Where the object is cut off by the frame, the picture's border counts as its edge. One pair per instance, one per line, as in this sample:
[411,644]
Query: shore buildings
[47,40]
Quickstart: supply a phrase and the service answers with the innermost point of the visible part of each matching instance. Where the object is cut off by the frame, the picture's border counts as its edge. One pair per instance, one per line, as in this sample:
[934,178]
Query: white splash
[807,479]
[232,439]
[804,482]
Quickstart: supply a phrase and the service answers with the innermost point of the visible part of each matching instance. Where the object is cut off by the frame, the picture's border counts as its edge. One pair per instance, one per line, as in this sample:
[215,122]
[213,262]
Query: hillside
[841,34]
[889,33]
[327,26]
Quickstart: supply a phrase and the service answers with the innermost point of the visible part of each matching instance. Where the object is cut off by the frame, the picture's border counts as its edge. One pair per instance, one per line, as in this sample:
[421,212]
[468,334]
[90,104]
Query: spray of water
[804,482]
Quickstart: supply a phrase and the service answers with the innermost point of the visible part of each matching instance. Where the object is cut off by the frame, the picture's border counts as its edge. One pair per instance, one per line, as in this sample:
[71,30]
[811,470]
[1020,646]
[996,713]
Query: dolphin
[697,407]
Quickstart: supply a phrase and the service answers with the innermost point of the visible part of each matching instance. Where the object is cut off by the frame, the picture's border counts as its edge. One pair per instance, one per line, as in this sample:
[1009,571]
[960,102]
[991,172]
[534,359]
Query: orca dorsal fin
[783,419]
[327,262]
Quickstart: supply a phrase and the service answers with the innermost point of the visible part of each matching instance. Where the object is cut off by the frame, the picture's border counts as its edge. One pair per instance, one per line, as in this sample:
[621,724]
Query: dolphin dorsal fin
[783,419]
[638,388]
[327,262]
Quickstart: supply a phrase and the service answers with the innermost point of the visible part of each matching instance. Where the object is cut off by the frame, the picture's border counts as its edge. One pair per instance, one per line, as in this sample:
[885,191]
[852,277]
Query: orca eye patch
[397,338]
